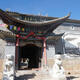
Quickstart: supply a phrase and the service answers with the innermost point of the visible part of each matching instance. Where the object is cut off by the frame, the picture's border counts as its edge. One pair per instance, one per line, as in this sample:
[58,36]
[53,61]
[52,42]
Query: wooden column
[45,55]
[16,53]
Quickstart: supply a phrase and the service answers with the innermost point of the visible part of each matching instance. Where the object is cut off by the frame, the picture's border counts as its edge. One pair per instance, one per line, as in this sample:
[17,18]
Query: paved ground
[72,66]
[31,75]
[40,75]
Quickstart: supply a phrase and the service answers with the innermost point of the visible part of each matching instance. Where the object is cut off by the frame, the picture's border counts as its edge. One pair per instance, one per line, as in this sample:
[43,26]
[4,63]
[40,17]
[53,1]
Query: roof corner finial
[69,14]
[40,14]
[47,15]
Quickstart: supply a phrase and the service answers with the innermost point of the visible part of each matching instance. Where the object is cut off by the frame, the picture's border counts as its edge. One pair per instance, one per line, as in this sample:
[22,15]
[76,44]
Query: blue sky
[54,8]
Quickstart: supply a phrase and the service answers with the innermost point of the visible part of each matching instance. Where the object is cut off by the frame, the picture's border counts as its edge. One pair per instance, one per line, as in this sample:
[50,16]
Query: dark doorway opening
[31,52]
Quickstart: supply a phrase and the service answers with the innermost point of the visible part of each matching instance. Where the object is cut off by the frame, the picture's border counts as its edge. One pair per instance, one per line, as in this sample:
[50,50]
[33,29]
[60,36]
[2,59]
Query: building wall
[50,51]
[2,48]
[59,46]
[10,49]
[69,29]
[55,48]
[71,37]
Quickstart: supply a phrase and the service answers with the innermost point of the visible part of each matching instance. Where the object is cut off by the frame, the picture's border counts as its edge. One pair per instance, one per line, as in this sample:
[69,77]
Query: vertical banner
[11,27]
[18,29]
[15,28]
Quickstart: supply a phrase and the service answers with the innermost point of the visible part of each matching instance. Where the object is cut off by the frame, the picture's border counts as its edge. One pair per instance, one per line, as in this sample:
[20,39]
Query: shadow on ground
[25,77]
[71,77]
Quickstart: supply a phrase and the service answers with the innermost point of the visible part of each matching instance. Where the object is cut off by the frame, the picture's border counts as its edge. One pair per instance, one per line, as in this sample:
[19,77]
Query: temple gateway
[31,37]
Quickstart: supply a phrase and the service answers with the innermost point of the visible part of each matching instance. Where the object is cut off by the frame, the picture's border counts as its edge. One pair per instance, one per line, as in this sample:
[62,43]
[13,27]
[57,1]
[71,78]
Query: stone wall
[2,48]
[71,37]
[1,68]
[71,66]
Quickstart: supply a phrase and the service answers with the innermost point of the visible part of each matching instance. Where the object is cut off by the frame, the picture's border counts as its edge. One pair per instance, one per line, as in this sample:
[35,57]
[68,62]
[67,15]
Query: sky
[53,8]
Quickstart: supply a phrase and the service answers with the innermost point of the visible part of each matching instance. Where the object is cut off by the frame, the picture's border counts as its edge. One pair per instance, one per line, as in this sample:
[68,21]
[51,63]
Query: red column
[16,53]
[45,55]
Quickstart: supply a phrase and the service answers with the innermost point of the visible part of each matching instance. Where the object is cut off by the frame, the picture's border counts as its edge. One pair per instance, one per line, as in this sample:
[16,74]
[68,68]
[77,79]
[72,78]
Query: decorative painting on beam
[24,33]
[26,29]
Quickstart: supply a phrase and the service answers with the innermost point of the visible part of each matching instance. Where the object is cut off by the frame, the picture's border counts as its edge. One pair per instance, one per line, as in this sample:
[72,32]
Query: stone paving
[40,75]
[31,75]
[72,66]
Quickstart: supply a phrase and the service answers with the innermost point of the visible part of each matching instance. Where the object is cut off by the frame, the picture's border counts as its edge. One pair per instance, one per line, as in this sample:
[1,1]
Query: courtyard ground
[72,68]
[40,75]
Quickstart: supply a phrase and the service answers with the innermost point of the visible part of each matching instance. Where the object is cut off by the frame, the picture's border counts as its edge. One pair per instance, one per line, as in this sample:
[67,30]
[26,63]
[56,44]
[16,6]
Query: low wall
[71,66]
[1,68]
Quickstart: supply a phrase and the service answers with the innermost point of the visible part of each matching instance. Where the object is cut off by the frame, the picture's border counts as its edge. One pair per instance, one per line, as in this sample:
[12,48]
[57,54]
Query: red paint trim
[30,34]
[45,55]
[16,54]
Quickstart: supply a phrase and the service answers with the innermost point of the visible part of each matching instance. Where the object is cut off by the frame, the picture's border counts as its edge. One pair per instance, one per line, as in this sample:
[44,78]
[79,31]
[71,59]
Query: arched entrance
[33,53]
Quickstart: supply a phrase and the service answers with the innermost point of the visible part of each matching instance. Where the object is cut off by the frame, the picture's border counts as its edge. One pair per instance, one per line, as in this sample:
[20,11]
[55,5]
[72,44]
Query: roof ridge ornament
[29,22]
